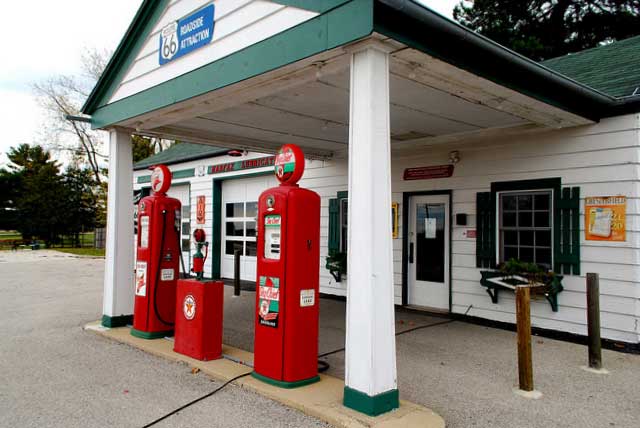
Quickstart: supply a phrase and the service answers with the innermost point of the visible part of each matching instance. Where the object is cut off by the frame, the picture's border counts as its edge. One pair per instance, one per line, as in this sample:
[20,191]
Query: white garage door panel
[239,212]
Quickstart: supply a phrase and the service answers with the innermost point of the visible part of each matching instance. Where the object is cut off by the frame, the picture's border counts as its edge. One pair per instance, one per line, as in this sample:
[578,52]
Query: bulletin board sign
[605,218]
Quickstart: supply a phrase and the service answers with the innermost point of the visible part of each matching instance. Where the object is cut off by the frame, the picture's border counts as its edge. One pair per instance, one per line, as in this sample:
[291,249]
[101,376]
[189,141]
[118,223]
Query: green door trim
[216,223]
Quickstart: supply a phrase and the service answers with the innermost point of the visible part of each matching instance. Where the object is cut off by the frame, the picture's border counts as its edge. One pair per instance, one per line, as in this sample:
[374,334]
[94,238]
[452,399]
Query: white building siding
[601,159]
[238,24]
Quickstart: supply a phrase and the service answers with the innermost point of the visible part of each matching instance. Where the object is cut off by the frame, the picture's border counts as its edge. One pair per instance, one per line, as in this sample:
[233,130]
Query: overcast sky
[44,38]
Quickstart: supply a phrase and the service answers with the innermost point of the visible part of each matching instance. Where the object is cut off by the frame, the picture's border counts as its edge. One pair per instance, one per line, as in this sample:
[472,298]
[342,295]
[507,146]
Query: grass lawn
[82,251]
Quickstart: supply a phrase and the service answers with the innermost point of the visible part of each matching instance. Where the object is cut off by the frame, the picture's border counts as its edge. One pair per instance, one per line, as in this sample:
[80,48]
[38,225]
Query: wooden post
[593,321]
[236,272]
[523,318]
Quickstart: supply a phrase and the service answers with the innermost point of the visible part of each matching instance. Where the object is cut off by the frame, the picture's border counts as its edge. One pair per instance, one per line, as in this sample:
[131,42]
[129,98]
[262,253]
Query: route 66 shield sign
[169,41]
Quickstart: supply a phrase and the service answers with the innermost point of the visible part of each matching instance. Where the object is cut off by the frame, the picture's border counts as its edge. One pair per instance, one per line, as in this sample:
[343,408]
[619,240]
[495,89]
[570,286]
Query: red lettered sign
[428,172]
[200,210]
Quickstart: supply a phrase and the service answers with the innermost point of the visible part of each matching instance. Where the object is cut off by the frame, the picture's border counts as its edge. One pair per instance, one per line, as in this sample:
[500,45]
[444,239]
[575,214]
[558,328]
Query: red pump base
[198,327]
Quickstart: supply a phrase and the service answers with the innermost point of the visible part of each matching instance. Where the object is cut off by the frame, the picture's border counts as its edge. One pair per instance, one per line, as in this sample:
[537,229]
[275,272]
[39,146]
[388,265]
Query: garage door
[239,212]
[182,193]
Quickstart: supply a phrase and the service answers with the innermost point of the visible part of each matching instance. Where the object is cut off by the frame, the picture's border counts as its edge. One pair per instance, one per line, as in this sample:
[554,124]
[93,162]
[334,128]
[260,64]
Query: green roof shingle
[613,69]
[181,152]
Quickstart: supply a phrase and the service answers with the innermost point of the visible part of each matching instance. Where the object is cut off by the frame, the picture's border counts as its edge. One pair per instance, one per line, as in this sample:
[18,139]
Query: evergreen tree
[542,29]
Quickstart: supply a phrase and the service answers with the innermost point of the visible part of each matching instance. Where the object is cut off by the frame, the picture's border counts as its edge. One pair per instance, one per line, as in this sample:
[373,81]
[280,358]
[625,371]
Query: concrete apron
[322,400]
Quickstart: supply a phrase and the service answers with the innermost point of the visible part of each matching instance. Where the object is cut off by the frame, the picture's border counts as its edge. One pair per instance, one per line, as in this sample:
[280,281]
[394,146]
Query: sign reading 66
[169,41]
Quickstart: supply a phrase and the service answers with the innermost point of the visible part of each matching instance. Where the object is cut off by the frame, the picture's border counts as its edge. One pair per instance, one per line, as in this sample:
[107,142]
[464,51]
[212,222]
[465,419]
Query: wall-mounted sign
[428,172]
[605,218]
[242,165]
[200,210]
[471,234]
[394,219]
[186,35]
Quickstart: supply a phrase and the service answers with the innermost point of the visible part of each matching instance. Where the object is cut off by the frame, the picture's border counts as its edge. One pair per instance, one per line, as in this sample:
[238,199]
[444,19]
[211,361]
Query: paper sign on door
[430,227]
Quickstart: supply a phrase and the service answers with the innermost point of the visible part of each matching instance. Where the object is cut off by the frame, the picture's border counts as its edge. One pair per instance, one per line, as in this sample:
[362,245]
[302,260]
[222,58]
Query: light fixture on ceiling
[454,157]
[234,153]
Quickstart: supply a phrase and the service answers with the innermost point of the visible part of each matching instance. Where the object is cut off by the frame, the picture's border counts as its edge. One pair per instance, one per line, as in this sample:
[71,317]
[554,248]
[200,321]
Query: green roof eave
[420,28]
[348,21]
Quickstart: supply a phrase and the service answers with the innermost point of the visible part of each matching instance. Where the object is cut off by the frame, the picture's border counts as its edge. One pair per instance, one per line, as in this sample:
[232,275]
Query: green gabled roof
[613,69]
[182,152]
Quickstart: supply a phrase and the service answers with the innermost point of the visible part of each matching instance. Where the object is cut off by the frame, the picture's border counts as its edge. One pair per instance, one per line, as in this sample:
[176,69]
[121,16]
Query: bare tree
[63,96]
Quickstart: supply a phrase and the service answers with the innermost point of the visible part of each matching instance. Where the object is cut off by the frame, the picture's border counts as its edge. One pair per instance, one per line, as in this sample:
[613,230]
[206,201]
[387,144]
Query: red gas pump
[286,326]
[158,253]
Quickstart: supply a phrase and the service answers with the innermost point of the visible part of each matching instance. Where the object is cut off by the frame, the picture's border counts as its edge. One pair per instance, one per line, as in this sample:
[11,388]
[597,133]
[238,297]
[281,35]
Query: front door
[428,241]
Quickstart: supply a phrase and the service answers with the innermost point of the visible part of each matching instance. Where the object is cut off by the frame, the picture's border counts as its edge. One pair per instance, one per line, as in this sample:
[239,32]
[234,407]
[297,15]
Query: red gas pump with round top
[158,255]
[288,261]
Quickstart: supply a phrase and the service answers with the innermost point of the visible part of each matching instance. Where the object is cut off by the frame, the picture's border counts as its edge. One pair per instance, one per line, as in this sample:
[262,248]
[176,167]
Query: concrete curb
[322,400]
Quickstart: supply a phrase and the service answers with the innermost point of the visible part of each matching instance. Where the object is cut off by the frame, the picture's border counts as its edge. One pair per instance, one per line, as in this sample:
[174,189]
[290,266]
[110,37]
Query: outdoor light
[454,157]
[235,153]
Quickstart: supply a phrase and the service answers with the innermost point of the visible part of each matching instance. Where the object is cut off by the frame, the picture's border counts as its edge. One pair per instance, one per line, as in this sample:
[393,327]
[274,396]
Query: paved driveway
[54,374]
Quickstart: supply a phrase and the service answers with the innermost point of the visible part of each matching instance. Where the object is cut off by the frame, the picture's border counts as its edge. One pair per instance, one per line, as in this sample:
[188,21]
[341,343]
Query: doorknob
[411,252]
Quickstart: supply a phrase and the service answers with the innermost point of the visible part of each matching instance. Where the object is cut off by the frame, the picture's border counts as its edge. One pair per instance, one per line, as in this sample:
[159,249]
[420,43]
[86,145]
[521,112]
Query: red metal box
[198,328]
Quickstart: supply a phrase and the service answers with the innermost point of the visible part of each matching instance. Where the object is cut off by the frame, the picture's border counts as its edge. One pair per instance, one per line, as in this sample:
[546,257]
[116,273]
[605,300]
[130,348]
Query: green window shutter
[485,235]
[334,226]
[566,219]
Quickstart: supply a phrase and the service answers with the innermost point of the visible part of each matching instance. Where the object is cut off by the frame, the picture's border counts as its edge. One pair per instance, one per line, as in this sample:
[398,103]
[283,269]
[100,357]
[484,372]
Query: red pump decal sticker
[189,307]
[141,279]
[269,301]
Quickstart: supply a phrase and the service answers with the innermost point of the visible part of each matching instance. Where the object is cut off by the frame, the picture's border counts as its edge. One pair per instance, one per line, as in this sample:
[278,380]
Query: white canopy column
[370,361]
[117,305]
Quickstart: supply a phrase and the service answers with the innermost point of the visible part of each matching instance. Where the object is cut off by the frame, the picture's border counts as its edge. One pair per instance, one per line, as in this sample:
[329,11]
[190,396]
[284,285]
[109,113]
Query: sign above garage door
[242,165]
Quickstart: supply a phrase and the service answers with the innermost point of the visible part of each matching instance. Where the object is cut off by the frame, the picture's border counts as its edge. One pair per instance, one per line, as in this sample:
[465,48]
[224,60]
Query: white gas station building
[437,153]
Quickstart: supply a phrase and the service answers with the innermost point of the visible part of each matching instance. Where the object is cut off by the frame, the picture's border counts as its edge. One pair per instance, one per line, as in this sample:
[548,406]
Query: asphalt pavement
[55,374]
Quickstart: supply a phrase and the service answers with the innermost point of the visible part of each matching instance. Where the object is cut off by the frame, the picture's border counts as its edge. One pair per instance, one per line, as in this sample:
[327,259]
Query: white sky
[44,38]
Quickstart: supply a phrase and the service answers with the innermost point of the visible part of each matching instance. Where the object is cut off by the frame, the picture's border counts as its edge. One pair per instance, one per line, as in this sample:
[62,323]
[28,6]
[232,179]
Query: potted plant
[337,265]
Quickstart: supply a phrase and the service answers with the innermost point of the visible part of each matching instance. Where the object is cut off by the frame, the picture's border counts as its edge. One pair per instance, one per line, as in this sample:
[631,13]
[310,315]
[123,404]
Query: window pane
[235,209]
[231,246]
[525,219]
[185,245]
[542,219]
[252,248]
[543,238]
[510,253]
[525,202]
[252,209]
[526,254]
[251,228]
[526,238]
[509,219]
[344,211]
[186,212]
[541,202]
[509,203]
[235,228]
[543,256]
[510,237]
[186,228]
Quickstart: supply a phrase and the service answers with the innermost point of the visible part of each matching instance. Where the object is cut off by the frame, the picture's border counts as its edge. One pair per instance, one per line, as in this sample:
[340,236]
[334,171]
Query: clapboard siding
[602,159]
[238,24]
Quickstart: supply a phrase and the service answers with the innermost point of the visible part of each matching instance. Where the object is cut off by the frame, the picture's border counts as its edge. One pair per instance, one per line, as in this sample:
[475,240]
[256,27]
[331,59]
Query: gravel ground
[54,374]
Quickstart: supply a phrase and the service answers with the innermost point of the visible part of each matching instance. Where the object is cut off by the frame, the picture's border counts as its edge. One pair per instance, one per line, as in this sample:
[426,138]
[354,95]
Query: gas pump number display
[272,248]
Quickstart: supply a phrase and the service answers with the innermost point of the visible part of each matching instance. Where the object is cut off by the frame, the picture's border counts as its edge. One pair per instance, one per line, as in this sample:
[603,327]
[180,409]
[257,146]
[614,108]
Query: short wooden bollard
[523,318]
[593,322]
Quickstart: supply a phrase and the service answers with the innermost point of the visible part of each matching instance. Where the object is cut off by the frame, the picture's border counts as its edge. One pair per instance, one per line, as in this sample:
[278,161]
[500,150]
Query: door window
[430,242]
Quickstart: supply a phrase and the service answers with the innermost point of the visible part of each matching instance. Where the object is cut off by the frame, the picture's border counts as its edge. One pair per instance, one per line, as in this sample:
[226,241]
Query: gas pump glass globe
[289,164]
[160,179]
[199,235]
